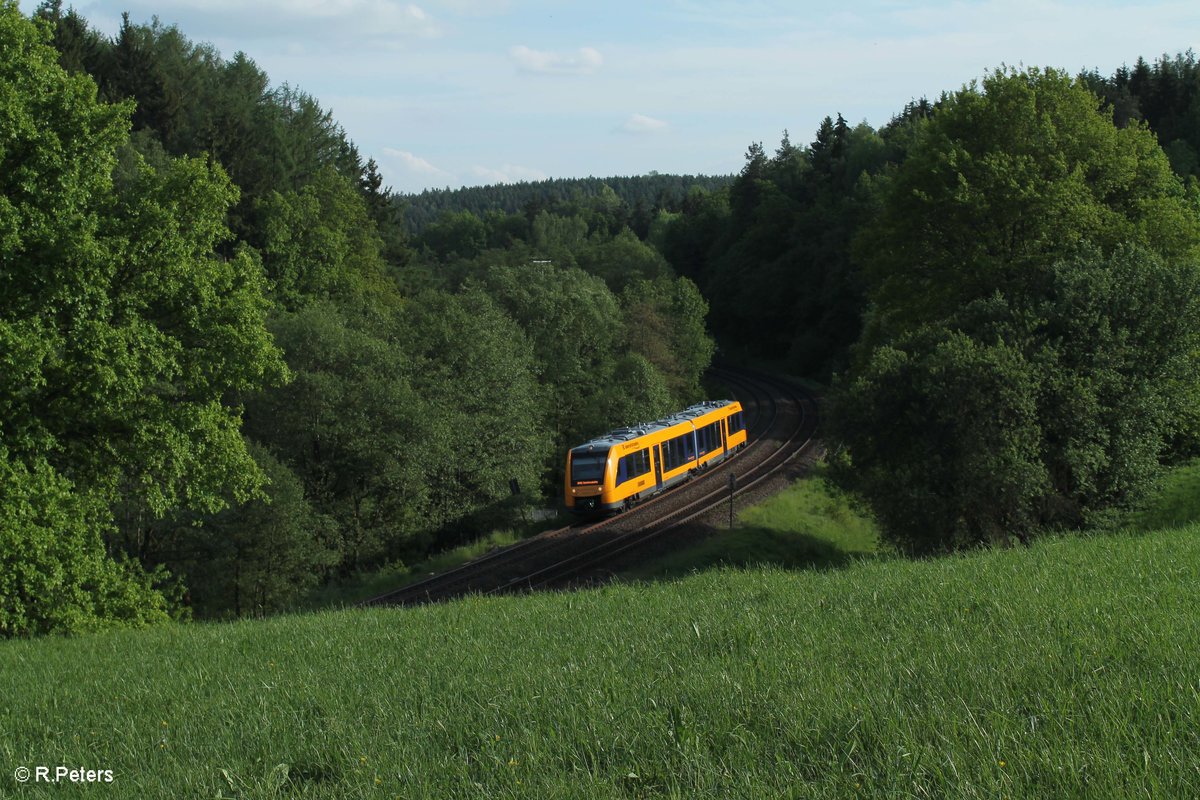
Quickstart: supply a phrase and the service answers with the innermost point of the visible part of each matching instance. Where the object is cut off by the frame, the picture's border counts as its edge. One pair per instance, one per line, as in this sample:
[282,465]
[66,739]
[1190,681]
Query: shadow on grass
[749,546]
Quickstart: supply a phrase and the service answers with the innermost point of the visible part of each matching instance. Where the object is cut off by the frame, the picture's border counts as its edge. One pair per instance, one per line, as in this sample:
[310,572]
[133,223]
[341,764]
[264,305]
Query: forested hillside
[1002,283]
[233,370]
[231,376]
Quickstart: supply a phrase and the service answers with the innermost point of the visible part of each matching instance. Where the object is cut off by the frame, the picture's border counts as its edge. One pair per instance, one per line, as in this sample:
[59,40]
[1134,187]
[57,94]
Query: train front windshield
[588,467]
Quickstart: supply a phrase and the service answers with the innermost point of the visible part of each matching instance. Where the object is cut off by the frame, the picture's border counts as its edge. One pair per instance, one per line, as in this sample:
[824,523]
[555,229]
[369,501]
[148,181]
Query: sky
[447,93]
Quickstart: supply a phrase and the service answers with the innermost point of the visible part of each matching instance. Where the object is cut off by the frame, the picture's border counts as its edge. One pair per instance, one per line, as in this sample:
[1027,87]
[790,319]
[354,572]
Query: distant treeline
[640,194]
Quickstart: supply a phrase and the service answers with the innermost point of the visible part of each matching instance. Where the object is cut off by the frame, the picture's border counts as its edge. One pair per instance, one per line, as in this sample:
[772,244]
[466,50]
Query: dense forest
[1002,285]
[232,376]
[640,195]
[238,367]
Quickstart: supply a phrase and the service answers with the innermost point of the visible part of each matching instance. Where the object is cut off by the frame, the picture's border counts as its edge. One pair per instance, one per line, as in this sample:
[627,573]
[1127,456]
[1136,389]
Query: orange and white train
[614,471]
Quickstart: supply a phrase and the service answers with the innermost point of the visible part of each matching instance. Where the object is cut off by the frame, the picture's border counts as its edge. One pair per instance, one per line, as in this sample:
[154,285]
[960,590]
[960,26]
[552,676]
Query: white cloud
[509,173]
[411,163]
[640,123]
[319,24]
[583,61]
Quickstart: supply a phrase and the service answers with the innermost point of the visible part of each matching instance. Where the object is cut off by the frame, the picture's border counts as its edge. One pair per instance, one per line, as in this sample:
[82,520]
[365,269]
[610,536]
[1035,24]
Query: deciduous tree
[1032,349]
[124,338]
[1007,177]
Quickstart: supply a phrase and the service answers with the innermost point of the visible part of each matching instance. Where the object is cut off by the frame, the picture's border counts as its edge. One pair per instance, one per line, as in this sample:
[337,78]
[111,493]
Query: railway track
[782,422]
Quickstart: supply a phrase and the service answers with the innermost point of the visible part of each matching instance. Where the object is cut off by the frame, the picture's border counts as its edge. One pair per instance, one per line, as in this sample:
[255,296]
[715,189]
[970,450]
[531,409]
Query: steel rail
[762,410]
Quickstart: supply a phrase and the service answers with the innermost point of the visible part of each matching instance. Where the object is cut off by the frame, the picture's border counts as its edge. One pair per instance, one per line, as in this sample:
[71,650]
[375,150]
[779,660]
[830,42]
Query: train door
[658,466]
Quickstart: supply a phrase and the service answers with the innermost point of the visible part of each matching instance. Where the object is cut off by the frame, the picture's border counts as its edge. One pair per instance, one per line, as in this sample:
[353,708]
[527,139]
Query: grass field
[1065,670]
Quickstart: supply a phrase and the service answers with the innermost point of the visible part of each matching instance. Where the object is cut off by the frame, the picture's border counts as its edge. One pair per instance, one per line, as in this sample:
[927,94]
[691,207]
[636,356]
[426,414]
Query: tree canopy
[1006,177]
[231,353]
[124,335]
[1030,355]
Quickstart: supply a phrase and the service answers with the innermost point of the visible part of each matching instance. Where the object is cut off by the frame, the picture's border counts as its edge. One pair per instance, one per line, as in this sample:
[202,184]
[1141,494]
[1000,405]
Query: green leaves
[55,576]
[405,425]
[1031,350]
[665,324]
[124,336]
[1022,412]
[476,377]
[773,253]
[944,440]
[320,243]
[1004,179]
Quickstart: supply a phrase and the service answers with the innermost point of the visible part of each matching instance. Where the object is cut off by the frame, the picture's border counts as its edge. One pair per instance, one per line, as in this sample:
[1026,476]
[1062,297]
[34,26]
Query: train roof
[619,435]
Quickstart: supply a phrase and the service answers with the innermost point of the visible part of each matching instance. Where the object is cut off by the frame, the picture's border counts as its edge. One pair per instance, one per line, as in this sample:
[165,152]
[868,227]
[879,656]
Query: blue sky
[461,92]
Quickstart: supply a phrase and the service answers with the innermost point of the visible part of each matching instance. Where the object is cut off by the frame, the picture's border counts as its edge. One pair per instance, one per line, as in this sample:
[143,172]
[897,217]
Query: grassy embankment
[808,525]
[1067,669]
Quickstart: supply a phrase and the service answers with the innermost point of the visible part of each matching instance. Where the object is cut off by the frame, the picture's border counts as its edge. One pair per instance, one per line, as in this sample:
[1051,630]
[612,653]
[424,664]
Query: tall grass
[1067,669]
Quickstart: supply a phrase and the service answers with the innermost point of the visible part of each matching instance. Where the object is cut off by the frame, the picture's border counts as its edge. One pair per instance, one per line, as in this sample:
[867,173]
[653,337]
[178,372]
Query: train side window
[633,466]
[677,454]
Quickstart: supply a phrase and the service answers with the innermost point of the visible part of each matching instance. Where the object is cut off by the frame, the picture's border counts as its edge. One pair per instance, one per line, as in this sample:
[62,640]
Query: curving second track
[782,421]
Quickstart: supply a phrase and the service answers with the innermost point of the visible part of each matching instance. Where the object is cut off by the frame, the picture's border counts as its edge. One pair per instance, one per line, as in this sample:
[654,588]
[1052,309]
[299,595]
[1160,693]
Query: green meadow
[1067,669]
